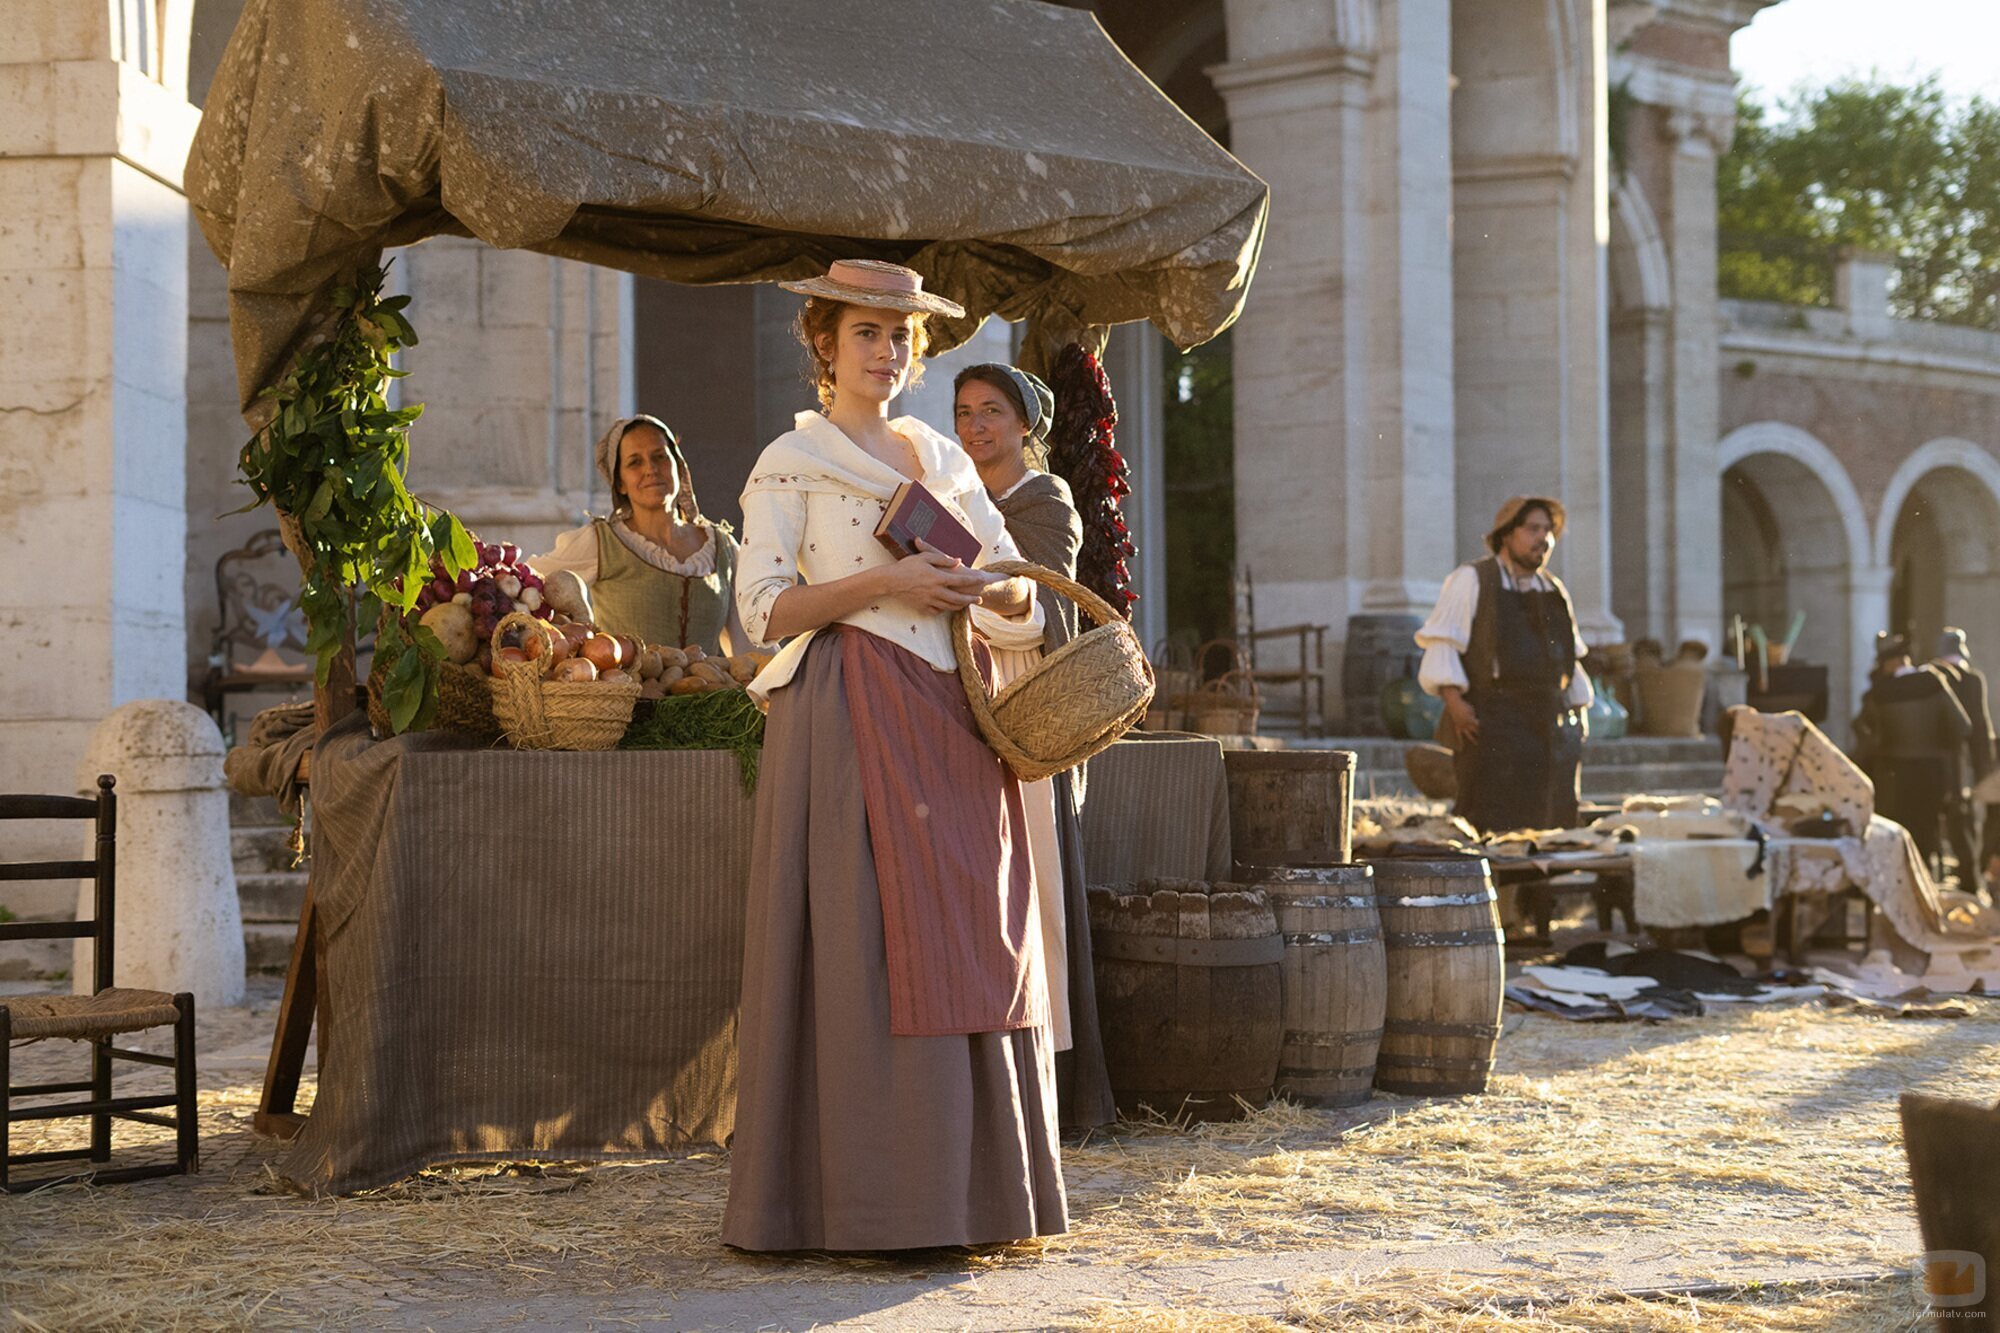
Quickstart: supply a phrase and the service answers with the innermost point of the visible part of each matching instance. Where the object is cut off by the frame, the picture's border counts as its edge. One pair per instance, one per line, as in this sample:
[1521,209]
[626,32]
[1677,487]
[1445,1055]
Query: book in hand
[914,515]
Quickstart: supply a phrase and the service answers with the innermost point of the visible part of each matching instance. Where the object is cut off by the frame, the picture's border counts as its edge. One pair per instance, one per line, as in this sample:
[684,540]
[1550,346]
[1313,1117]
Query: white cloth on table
[1448,633]
[1697,883]
[809,511]
[576,551]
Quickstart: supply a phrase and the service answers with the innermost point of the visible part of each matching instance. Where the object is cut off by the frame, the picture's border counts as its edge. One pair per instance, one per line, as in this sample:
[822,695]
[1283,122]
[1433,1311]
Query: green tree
[1200,500]
[1903,169]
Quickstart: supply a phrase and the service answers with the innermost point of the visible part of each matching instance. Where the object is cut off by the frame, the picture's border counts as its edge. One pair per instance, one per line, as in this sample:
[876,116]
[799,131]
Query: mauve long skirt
[848,1138]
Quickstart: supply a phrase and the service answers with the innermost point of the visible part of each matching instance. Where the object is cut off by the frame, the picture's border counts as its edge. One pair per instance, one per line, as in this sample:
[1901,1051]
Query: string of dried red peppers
[1083,452]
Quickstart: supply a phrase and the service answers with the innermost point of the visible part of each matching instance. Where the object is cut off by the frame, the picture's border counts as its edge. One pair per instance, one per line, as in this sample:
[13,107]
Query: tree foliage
[1880,166]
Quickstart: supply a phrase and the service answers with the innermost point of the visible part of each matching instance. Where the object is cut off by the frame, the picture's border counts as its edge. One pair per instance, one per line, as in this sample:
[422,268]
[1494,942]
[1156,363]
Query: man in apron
[1501,648]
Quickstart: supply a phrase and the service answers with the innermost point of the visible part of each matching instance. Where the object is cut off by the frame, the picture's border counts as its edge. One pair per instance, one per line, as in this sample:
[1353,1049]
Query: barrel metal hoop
[1366,935]
[1406,868]
[1440,939]
[1281,902]
[1295,874]
[1390,1060]
[1332,1039]
[1123,947]
[1424,900]
[1286,1073]
[1408,1027]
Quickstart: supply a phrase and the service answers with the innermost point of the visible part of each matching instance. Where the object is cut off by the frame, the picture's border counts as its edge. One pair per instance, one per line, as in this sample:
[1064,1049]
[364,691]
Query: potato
[673,657]
[695,652]
[651,664]
[743,672]
[707,671]
[671,674]
[688,685]
[653,689]
[452,624]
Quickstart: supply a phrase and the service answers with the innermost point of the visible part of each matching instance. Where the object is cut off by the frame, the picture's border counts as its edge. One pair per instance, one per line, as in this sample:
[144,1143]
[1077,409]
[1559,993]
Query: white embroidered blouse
[809,512]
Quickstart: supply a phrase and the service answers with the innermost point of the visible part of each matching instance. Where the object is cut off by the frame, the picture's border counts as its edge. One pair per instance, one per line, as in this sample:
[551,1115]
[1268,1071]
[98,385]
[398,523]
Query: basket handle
[508,670]
[1238,661]
[1234,685]
[1092,605]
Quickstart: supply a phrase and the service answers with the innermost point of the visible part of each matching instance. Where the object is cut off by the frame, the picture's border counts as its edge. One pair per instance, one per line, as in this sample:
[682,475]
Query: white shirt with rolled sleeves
[809,512]
[1447,634]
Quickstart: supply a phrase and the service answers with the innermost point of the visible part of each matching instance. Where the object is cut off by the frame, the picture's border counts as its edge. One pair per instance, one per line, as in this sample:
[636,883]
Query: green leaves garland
[333,457]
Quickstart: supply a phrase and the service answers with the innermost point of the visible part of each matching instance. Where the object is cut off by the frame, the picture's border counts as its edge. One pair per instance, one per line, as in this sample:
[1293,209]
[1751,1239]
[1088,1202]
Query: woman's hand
[936,583]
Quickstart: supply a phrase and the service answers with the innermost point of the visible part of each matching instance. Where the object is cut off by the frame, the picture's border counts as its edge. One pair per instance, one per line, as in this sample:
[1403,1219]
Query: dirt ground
[1740,1170]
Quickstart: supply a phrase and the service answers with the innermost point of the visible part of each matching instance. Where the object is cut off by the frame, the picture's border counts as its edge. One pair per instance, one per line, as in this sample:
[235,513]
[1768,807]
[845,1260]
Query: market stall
[748,144]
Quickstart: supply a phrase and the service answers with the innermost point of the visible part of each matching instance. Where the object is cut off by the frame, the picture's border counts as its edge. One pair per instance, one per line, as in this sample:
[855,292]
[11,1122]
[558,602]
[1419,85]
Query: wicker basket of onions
[547,699]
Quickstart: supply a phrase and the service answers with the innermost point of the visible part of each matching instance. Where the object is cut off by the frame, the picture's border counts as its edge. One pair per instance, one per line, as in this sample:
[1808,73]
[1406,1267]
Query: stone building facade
[1490,268]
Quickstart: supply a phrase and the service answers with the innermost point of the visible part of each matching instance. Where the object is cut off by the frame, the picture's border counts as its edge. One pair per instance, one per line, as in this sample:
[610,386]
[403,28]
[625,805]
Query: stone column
[1861,289]
[523,363]
[179,926]
[1674,67]
[1343,355]
[1134,363]
[1868,612]
[93,271]
[1529,157]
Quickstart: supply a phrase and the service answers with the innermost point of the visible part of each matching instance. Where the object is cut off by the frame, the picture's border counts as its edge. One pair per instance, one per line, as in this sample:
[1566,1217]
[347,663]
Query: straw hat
[1511,511]
[879,286]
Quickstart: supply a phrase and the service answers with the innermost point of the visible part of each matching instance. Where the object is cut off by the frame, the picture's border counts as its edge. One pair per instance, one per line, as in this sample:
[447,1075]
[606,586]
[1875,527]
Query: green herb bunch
[333,458]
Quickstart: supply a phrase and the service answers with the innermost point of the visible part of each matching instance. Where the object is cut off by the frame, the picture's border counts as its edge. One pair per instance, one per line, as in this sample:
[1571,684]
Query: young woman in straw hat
[1002,415]
[657,569]
[896,1082]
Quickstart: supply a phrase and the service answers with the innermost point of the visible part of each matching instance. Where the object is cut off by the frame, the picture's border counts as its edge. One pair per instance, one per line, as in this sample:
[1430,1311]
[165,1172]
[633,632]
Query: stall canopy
[1004,148]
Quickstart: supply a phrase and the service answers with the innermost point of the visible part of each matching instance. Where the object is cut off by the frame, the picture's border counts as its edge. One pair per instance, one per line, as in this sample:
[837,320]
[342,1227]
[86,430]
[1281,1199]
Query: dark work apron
[1523,772]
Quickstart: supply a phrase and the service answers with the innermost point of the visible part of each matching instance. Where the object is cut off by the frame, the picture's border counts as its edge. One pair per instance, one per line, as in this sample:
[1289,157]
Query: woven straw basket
[1670,699]
[1074,702]
[465,695]
[537,714]
[1229,705]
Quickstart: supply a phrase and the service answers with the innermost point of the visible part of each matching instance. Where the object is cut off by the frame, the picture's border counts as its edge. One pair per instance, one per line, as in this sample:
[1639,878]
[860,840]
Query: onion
[576,668]
[603,651]
[506,655]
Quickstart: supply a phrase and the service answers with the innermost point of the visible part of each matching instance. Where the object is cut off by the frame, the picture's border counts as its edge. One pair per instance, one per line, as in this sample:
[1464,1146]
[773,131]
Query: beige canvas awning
[1004,148]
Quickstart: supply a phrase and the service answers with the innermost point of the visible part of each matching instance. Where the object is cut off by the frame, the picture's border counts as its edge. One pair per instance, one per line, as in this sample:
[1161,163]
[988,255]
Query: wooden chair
[95,1018]
[1309,671]
[260,640]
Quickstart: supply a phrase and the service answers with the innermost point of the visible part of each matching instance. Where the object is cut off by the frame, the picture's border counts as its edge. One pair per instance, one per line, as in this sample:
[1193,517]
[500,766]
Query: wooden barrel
[1447,972]
[1335,980]
[1188,996]
[1290,807]
[1379,649]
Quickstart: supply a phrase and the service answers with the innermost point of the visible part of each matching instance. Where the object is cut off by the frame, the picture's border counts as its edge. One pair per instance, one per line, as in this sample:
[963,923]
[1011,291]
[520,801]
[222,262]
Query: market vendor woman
[656,568]
[896,1082]
[1003,415]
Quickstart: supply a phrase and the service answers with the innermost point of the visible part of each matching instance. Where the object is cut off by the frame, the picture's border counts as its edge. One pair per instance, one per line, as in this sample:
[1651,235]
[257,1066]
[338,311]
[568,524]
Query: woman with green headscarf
[1002,414]
[656,568]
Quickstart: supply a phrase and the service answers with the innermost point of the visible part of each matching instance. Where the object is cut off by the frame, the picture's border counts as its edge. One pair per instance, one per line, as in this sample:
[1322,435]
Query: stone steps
[268,889]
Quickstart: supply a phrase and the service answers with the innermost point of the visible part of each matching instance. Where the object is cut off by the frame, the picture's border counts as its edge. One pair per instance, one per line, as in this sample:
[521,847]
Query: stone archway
[1939,534]
[1795,538]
